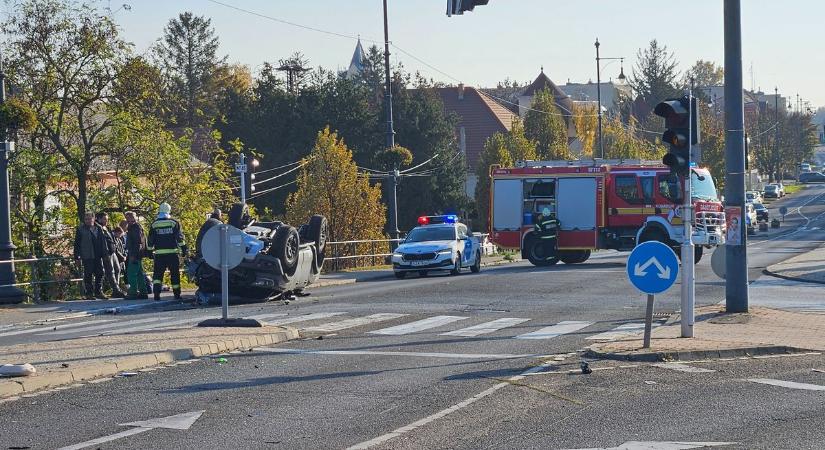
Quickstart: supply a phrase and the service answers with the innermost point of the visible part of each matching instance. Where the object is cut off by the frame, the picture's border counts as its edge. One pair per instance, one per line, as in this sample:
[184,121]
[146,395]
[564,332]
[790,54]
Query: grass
[793,188]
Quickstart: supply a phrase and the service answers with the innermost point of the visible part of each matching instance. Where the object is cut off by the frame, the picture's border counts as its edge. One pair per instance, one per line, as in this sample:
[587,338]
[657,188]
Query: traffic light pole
[688,269]
[392,211]
[736,257]
[242,171]
[9,293]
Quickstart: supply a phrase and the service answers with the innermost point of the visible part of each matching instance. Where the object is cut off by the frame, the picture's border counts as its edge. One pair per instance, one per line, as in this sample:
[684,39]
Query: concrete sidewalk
[807,268]
[762,331]
[63,363]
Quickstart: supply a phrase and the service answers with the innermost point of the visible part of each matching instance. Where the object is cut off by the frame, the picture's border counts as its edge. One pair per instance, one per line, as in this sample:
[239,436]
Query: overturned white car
[289,261]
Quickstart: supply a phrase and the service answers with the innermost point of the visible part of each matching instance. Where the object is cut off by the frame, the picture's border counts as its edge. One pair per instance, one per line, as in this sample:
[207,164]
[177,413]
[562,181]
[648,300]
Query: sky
[513,39]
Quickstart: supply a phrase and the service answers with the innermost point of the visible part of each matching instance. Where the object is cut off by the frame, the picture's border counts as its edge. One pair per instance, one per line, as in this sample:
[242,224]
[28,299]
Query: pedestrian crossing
[521,328]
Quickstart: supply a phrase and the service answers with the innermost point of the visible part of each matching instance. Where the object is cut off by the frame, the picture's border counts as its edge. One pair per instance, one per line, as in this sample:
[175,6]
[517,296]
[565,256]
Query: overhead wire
[281,174]
[266,191]
[278,168]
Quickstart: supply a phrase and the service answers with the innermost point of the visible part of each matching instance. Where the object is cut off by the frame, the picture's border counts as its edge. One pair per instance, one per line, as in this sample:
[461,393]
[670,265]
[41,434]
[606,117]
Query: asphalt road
[396,352]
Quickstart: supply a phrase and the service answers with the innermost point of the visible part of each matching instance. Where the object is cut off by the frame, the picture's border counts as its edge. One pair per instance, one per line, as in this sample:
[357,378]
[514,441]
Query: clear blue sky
[512,38]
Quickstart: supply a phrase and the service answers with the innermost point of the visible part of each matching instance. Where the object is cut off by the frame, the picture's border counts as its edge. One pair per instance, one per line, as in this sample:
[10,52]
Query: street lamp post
[392,211]
[599,89]
[8,292]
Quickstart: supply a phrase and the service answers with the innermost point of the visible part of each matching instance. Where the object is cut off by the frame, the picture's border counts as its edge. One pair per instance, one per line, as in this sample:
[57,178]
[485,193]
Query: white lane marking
[445,412]
[582,270]
[105,439]
[420,325]
[788,384]
[352,323]
[561,328]
[304,318]
[404,354]
[52,328]
[622,331]
[664,445]
[267,316]
[486,327]
[683,368]
[177,422]
[104,326]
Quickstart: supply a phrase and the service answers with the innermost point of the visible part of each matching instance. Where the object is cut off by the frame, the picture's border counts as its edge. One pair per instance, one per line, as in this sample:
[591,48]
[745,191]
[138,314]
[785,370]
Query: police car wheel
[476,268]
[400,275]
[456,270]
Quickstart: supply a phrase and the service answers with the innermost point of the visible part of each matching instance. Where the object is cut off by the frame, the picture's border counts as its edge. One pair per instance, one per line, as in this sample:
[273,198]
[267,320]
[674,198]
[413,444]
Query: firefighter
[167,244]
[546,227]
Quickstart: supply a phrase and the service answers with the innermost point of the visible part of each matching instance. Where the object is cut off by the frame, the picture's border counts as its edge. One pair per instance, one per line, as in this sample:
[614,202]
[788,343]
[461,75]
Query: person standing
[109,258]
[135,251]
[167,244]
[120,253]
[88,249]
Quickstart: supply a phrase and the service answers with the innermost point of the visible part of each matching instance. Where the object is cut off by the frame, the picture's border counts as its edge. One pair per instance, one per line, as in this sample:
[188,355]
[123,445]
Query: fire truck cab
[599,204]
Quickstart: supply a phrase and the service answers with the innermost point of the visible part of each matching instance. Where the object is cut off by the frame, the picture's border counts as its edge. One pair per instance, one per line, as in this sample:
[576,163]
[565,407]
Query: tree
[585,119]
[545,126]
[704,74]
[331,185]
[495,152]
[621,141]
[655,74]
[188,55]
[64,62]
[520,148]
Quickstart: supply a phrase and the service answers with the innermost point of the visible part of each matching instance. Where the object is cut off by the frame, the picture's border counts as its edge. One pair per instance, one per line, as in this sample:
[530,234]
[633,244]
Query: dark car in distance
[761,212]
[812,177]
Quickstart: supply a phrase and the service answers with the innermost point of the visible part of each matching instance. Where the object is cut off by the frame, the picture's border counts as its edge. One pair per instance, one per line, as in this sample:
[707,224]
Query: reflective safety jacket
[165,237]
[546,227]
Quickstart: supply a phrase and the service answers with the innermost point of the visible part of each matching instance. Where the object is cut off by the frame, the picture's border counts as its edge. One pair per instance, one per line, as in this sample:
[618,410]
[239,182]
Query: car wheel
[317,232]
[236,215]
[456,270]
[400,275]
[285,247]
[476,268]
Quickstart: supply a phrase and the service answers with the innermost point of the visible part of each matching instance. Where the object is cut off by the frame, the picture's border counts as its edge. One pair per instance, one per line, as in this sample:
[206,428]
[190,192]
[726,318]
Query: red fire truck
[601,204]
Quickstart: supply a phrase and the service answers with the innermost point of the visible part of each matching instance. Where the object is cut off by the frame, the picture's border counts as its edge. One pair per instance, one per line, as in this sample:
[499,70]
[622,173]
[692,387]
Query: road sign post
[240,168]
[652,268]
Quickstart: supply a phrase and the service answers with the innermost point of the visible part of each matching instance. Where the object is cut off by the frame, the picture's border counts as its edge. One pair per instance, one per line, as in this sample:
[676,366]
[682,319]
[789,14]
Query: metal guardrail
[37,293]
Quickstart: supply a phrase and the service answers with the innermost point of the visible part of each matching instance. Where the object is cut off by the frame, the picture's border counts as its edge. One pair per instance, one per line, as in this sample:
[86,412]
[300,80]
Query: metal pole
[242,162]
[392,211]
[688,269]
[224,273]
[776,131]
[736,281]
[648,321]
[599,98]
[9,294]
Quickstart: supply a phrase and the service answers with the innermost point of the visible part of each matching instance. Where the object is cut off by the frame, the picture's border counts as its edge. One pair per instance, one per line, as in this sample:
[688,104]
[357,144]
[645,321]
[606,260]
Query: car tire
[285,247]
[456,270]
[317,231]
[236,215]
[476,268]
[400,275]
[575,256]
[698,251]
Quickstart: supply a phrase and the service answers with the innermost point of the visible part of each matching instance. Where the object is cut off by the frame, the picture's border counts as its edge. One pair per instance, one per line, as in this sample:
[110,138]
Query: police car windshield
[424,234]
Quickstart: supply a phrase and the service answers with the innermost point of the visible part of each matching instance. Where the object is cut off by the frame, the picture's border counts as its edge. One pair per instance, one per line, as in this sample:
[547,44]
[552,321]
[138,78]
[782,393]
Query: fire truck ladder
[589,163]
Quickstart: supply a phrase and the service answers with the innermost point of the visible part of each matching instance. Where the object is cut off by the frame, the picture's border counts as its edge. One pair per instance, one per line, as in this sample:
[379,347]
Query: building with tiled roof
[563,102]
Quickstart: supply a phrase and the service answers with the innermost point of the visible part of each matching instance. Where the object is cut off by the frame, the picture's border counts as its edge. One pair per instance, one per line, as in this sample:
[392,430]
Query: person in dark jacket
[109,258]
[89,243]
[167,244]
[120,253]
[135,251]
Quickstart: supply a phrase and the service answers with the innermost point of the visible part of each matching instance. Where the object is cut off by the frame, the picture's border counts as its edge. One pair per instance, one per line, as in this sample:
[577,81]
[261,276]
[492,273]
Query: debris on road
[17,370]
[586,370]
[221,360]
[127,374]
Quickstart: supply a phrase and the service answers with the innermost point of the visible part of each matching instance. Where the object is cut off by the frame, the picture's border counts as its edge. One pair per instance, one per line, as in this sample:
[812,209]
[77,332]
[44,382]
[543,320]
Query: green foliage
[655,74]
[496,153]
[394,158]
[622,141]
[704,74]
[16,115]
[520,148]
[545,126]
[331,185]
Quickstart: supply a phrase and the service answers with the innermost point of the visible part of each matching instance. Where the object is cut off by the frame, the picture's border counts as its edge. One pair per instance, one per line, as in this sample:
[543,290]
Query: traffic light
[252,167]
[679,123]
[458,7]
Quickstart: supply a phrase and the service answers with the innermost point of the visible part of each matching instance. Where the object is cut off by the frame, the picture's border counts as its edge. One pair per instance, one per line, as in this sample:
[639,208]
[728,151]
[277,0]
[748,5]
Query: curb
[790,278]
[694,355]
[388,276]
[52,379]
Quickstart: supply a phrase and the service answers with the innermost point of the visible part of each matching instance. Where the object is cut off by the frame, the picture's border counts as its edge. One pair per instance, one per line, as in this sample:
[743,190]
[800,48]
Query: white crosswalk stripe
[559,329]
[622,331]
[304,318]
[161,325]
[52,328]
[352,323]
[420,325]
[102,327]
[486,327]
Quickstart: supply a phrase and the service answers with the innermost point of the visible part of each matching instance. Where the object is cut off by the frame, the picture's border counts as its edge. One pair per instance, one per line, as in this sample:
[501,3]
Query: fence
[45,278]
[358,253]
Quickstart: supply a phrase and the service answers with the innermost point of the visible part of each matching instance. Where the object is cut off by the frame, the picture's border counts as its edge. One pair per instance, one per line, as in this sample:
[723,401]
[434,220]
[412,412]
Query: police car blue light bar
[432,220]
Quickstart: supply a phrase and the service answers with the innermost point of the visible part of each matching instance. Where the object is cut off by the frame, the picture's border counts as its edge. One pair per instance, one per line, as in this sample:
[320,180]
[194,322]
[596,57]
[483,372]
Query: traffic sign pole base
[246,323]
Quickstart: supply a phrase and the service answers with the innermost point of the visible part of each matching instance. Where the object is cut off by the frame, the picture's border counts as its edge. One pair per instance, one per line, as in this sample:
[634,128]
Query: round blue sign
[652,267]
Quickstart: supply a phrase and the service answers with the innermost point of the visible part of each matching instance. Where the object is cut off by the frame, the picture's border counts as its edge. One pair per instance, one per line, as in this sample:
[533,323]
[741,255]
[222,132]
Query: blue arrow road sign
[652,267]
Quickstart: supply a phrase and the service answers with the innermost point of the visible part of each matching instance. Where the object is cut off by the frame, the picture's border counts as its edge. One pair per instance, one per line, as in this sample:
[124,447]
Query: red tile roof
[480,116]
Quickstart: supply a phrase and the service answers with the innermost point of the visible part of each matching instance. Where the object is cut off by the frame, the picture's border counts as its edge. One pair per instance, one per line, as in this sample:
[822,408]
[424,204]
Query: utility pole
[688,303]
[599,97]
[776,130]
[8,292]
[392,211]
[736,281]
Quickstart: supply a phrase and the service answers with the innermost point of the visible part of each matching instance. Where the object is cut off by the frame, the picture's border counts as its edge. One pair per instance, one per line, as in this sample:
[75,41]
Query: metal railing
[63,269]
[358,253]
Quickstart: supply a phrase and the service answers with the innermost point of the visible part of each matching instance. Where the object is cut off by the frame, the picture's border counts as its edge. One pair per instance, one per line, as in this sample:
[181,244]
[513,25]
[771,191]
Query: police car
[438,243]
